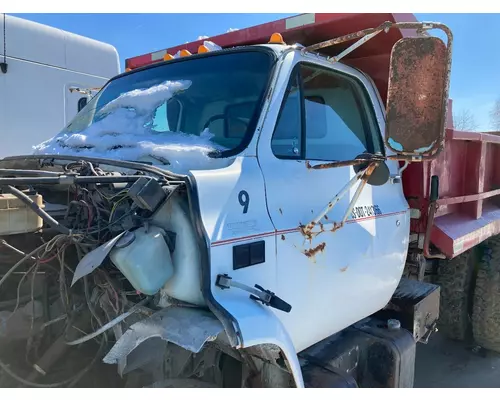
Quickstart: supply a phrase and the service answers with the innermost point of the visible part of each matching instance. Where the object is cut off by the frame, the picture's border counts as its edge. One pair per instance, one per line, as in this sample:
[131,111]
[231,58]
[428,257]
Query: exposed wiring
[71,381]
[92,218]
[109,325]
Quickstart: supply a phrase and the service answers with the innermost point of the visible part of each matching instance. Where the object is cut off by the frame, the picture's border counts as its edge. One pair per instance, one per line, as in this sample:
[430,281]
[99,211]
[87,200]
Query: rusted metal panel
[417,96]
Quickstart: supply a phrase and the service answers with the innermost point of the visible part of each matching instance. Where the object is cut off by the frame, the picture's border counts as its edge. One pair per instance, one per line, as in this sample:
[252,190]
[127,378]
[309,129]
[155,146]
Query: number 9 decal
[244,200]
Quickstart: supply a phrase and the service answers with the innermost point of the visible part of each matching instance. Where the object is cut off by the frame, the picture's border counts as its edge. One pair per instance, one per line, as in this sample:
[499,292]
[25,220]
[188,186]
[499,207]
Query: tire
[456,278]
[486,311]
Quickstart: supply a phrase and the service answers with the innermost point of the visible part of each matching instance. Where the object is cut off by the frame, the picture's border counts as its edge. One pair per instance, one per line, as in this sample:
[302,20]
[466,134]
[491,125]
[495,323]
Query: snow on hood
[123,130]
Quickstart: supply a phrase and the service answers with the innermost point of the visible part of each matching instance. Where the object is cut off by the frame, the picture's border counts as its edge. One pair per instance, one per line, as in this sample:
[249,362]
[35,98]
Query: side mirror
[380,174]
[417,97]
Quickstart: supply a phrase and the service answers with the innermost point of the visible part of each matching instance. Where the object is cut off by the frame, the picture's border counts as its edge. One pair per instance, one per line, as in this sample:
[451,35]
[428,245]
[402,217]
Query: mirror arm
[362,175]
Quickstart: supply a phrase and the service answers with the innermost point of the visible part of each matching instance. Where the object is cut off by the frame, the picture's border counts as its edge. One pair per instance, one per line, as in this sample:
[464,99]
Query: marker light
[203,49]
[276,38]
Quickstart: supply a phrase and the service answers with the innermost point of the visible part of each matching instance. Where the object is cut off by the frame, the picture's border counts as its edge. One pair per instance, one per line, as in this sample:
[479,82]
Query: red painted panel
[372,57]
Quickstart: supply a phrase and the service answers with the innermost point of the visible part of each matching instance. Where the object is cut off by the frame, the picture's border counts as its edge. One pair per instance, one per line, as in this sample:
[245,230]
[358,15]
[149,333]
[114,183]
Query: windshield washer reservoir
[145,261]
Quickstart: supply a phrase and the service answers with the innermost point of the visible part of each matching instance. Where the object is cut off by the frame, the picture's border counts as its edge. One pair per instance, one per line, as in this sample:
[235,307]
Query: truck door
[331,279]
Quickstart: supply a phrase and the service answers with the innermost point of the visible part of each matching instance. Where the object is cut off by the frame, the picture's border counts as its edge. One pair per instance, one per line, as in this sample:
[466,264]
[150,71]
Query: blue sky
[475,82]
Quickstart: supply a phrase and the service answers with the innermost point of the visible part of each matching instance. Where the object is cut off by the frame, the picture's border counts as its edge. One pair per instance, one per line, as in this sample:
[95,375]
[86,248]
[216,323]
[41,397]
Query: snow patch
[232,30]
[202,37]
[123,130]
[146,101]
[211,46]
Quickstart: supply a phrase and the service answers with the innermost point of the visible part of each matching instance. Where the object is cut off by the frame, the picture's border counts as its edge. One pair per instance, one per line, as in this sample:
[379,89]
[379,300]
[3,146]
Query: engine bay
[85,245]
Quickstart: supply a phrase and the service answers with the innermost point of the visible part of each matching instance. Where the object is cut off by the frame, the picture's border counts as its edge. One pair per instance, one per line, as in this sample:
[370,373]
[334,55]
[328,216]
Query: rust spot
[344,269]
[336,164]
[306,232]
[348,37]
[318,249]
[416,102]
[336,226]
[281,211]
[282,237]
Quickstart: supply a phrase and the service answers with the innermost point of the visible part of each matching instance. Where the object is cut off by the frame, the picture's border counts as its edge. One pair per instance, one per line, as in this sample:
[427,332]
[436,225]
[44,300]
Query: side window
[331,111]
[334,120]
[82,102]
[286,141]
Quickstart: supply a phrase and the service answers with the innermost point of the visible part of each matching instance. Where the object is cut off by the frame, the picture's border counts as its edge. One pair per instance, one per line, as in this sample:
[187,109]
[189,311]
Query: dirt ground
[446,364]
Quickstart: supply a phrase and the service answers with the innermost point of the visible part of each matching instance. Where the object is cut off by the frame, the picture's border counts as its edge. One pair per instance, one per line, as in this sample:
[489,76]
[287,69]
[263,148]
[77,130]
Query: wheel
[486,311]
[456,278]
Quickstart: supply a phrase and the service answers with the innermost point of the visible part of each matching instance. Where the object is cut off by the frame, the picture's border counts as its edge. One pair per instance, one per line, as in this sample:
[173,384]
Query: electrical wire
[109,325]
[71,381]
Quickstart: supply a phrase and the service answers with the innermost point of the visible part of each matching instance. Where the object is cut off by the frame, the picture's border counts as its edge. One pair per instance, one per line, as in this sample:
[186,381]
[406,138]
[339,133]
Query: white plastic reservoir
[144,258]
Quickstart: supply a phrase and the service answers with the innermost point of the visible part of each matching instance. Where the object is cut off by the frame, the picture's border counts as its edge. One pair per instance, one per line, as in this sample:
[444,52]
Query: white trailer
[39,65]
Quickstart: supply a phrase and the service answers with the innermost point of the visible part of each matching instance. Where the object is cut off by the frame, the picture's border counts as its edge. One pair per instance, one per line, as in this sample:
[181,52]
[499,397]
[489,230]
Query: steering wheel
[223,116]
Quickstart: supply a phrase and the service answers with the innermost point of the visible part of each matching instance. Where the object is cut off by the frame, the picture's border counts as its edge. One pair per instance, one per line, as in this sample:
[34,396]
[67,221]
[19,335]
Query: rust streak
[318,249]
[282,237]
[344,269]
[338,163]
[336,226]
[281,211]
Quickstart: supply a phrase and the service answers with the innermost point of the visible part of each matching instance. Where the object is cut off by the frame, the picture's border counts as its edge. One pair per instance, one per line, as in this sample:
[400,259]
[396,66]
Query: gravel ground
[447,364]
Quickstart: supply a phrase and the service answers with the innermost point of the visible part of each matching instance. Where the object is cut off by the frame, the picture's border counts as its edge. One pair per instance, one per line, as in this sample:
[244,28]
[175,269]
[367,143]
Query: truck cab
[281,168]
[45,80]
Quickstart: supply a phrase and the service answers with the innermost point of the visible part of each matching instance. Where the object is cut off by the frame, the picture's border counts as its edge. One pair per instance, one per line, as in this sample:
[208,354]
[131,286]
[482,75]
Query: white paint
[361,265]
[43,62]
[158,55]
[185,283]
[300,20]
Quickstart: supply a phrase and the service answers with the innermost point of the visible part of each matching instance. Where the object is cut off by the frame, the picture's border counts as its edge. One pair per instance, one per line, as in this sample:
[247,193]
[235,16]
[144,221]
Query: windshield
[199,105]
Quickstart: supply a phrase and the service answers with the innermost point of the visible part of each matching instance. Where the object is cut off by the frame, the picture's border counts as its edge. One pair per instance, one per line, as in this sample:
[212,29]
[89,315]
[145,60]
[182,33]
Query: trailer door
[338,276]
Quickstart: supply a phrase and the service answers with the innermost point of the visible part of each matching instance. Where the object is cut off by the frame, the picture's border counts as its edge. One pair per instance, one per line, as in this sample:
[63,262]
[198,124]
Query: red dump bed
[306,29]
[469,182]
[469,189]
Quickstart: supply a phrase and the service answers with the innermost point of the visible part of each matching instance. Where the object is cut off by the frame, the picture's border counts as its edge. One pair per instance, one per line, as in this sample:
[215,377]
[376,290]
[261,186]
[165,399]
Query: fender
[258,325]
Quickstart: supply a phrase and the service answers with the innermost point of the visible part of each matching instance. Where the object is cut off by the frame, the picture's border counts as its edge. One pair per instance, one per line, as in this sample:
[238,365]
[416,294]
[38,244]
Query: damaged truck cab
[280,200]
[307,229]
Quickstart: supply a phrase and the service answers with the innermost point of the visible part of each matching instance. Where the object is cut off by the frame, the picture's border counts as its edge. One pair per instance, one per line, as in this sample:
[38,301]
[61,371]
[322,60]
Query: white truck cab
[278,183]
[40,67]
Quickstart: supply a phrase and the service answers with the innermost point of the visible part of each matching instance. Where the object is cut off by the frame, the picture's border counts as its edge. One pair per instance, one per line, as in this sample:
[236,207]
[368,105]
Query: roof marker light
[276,38]
[203,49]
[185,53]
[167,57]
